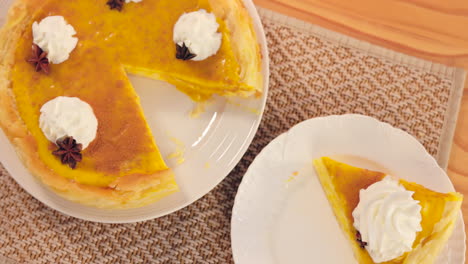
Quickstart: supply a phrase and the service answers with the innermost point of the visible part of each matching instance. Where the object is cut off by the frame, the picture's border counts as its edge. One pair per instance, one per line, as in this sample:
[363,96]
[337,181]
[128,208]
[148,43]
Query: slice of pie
[122,167]
[344,185]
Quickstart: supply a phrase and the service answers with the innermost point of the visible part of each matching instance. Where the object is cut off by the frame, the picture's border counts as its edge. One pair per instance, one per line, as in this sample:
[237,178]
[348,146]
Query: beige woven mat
[313,73]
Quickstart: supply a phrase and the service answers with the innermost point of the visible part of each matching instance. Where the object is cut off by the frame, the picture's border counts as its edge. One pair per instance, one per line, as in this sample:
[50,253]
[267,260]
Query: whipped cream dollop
[388,219]
[55,36]
[198,30]
[68,116]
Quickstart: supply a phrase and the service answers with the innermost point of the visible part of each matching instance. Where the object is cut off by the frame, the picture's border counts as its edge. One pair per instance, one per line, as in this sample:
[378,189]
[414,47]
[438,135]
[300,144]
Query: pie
[439,211]
[122,167]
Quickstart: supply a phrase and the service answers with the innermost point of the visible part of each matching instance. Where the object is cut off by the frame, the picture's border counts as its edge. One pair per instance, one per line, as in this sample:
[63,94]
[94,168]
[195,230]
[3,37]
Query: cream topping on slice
[388,219]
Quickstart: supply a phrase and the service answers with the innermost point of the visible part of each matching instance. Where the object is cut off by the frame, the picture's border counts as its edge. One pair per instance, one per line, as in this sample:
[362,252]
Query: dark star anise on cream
[116,4]
[39,59]
[69,151]
[361,243]
[183,52]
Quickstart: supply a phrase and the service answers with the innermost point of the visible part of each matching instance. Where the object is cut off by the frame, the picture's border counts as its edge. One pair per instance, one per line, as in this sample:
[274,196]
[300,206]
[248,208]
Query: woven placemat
[314,72]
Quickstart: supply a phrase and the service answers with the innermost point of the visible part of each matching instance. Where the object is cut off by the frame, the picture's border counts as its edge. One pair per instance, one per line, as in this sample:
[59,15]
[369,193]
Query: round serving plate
[202,148]
[281,214]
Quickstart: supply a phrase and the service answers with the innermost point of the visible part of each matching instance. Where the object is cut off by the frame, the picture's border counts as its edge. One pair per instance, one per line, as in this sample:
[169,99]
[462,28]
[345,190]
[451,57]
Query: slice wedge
[342,183]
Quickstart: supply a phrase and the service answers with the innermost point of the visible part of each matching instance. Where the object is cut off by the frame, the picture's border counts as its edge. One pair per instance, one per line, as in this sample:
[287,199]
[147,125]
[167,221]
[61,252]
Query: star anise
[183,52]
[361,243]
[116,4]
[39,59]
[69,151]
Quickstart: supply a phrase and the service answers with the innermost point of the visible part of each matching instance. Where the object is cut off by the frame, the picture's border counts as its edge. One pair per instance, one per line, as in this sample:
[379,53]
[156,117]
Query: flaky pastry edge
[244,42]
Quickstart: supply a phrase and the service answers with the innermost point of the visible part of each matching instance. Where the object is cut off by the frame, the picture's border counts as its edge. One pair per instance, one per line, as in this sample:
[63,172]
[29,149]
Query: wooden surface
[436,30]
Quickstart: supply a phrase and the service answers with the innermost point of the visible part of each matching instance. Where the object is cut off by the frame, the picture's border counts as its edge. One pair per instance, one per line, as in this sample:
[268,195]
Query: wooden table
[436,30]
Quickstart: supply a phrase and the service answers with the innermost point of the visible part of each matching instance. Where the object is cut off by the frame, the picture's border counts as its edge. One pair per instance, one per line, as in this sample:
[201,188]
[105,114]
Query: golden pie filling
[342,184]
[112,44]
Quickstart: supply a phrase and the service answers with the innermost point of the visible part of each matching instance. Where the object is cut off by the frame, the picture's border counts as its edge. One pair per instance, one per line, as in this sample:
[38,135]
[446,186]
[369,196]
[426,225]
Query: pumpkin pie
[342,184]
[122,167]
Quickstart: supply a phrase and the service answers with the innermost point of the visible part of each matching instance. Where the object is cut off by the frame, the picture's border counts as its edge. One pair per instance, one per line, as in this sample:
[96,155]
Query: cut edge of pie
[132,190]
[242,37]
[424,251]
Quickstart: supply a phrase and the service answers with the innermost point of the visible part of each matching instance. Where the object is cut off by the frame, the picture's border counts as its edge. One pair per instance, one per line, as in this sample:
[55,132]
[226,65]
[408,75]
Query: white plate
[280,217]
[214,143]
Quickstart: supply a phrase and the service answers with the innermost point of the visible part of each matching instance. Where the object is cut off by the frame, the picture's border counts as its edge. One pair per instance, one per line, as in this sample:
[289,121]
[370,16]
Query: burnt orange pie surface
[122,167]
[342,183]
